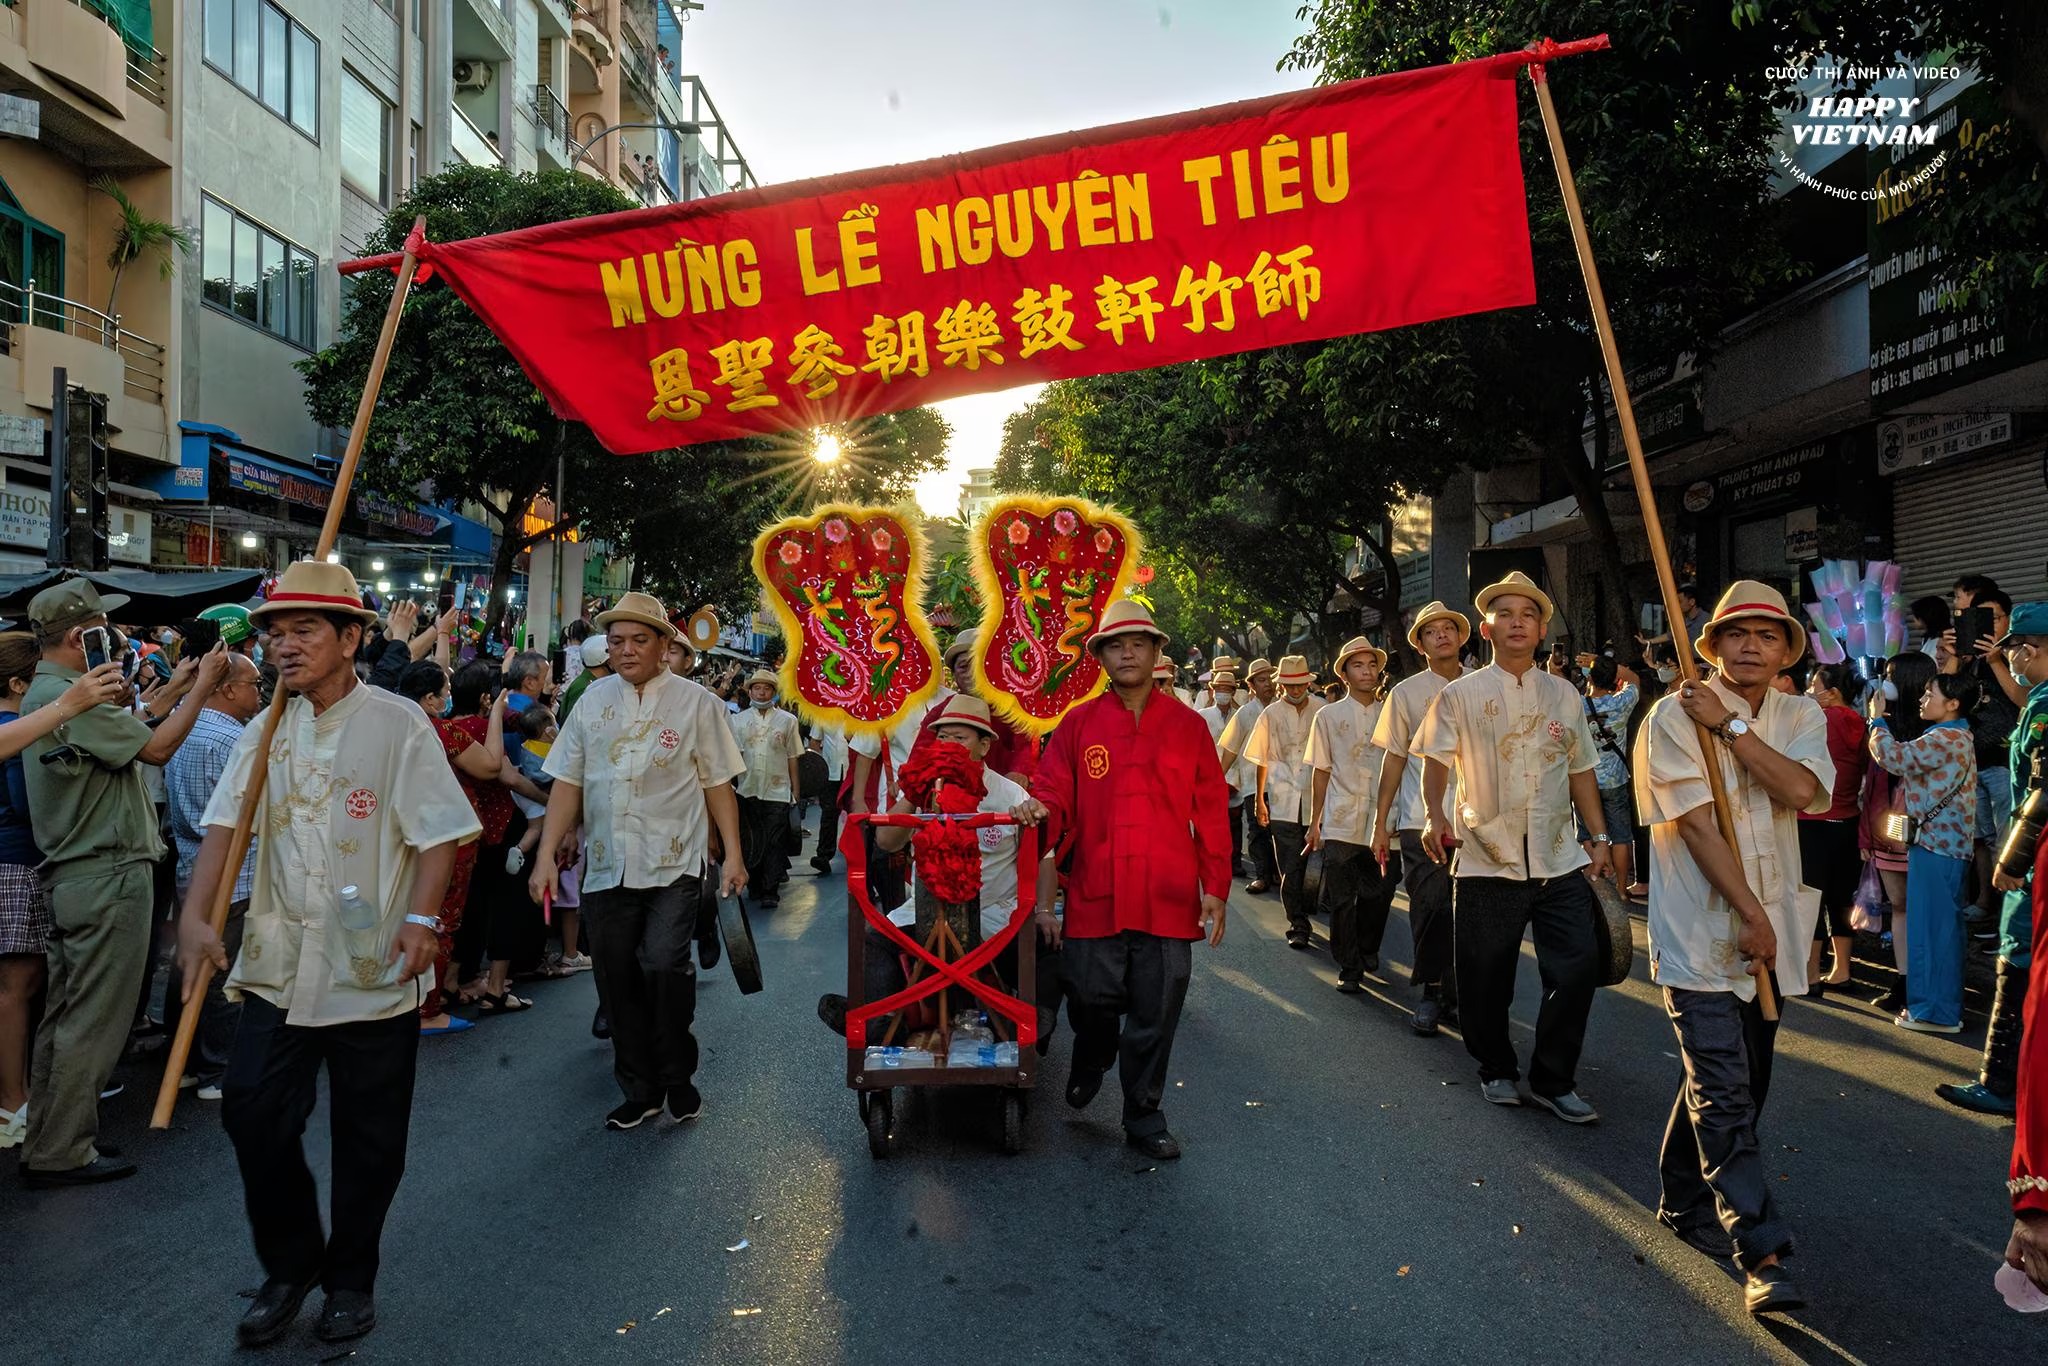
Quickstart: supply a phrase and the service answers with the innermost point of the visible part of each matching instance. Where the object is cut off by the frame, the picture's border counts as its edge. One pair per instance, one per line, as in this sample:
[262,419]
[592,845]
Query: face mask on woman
[1665,673]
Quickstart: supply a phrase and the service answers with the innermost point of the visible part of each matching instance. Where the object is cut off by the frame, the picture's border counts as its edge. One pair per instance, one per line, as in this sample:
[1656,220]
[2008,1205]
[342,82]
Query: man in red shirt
[1134,798]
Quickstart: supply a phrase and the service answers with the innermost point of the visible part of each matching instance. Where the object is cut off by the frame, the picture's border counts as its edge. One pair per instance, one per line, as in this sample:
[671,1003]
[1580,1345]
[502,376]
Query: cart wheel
[862,1096]
[880,1113]
[1013,1123]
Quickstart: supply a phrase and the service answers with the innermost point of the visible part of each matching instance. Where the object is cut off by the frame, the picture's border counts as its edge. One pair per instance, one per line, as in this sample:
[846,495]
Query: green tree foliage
[457,417]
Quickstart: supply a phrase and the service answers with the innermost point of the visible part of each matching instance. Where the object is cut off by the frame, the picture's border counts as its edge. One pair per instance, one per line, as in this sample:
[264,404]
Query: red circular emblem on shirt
[1096,758]
[669,739]
[360,804]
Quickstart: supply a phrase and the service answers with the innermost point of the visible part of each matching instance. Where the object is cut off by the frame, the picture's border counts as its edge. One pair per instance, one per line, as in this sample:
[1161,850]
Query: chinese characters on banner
[1357,207]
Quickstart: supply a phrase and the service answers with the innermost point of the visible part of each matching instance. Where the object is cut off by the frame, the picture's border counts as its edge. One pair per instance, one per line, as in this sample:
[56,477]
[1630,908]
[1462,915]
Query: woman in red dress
[475,746]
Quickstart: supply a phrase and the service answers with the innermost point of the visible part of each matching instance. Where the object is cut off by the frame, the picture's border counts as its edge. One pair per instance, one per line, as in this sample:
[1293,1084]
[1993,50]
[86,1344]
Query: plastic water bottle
[358,916]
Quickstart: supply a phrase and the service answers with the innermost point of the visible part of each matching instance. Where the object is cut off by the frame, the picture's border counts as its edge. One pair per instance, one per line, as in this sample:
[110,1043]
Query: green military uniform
[98,831]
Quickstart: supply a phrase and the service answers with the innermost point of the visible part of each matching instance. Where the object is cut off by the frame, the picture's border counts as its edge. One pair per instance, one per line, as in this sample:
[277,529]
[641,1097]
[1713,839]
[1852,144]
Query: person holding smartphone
[97,829]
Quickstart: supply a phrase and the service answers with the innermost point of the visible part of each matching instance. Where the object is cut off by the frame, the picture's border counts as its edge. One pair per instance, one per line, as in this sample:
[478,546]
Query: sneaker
[631,1115]
[1975,1097]
[1350,986]
[684,1103]
[1703,1236]
[116,1089]
[188,1081]
[210,1091]
[1500,1091]
[1567,1107]
[1768,1290]
[1428,1013]
[576,963]
[13,1127]
[1904,1020]
[515,860]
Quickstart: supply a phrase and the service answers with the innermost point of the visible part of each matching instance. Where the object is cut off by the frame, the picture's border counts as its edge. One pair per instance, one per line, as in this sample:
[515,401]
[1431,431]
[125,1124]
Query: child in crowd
[536,728]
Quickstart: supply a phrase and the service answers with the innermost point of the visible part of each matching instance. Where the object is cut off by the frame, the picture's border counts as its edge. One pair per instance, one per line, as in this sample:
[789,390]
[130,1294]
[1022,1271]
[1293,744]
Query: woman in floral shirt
[1938,772]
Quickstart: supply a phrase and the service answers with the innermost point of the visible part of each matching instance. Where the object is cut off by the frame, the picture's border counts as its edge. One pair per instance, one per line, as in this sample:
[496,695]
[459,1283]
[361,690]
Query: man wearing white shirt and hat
[1440,635]
[1345,789]
[646,763]
[1222,707]
[1244,777]
[1278,746]
[1720,919]
[770,744]
[358,826]
[1515,739]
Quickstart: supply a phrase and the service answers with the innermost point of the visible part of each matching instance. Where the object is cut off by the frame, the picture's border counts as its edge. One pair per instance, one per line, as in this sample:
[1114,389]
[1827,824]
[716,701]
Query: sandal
[508,1004]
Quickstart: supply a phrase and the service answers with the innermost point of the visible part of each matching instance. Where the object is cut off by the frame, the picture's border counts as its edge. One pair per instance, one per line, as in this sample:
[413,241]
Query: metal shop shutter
[1987,516]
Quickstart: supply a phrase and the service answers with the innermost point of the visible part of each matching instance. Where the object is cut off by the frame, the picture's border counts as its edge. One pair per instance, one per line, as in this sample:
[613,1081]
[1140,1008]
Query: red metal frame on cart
[960,971]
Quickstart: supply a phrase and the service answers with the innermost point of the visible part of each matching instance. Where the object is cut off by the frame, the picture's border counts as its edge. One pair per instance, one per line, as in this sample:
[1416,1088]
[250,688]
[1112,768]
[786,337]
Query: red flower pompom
[943,776]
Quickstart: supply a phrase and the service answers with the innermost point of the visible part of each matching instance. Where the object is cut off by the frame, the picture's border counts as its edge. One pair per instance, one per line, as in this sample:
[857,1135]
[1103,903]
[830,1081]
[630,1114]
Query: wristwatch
[1733,729]
[431,922]
[1603,838]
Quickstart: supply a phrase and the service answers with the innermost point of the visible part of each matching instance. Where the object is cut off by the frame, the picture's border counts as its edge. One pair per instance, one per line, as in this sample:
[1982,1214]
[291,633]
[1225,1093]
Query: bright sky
[815,87]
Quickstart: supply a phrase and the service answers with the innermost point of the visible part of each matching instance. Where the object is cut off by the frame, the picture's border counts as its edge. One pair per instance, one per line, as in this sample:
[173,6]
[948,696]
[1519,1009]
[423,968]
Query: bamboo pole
[1660,553]
[245,819]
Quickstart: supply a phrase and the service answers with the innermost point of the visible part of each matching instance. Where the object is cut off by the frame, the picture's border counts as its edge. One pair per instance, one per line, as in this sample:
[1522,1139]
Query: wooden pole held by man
[245,820]
[1624,411]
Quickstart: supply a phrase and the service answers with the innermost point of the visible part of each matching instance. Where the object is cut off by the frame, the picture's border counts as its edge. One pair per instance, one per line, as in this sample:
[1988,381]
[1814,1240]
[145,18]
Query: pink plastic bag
[1867,913]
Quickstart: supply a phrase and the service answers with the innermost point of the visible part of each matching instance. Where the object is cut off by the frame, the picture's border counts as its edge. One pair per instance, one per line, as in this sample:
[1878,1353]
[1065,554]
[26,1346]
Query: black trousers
[640,940]
[1259,846]
[1288,837]
[828,829]
[266,1097]
[882,975]
[1358,896]
[764,831]
[1429,915]
[1142,981]
[1492,913]
[219,1018]
[1712,1166]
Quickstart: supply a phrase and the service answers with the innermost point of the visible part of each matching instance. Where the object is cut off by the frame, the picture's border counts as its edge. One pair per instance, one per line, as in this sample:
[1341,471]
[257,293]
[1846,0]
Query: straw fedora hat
[763,676]
[1125,617]
[642,609]
[1164,671]
[1436,611]
[1223,664]
[1257,668]
[1294,670]
[1746,599]
[962,643]
[962,710]
[315,586]
[1358,645]
[1226,679]
[1515,585]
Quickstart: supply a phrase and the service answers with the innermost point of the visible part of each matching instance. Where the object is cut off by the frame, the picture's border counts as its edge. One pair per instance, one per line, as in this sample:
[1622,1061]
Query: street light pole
[579,150]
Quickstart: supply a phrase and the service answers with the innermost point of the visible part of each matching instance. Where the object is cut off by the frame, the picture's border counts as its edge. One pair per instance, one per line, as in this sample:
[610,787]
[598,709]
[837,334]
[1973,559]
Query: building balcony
[470,142]
[102,94]
[483,31]
[590,30]
[550,128]
[556,17]
[41,333]
[638,61]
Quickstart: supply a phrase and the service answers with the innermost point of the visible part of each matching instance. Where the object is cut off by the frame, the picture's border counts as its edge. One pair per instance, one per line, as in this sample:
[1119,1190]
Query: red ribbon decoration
[959,972]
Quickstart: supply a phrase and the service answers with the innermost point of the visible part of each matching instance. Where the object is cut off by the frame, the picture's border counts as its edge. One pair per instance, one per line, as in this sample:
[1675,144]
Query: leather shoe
[1350,986]
[1977,1098]
[272,1313]
[709,949]
[600,1025]
[1161,1145]
[1427,1014]
[1768,1290]
[101,1168]
[832,1008]
[1082,1086]
[347,1314]
[1709,1239]
[1258,884]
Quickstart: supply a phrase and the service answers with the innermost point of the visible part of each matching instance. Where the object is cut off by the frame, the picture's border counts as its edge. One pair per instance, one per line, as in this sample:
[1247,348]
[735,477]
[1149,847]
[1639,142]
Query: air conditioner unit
[473,75]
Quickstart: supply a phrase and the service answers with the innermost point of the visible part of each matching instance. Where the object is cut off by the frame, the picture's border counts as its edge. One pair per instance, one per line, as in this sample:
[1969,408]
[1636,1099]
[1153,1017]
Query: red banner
[1351,208]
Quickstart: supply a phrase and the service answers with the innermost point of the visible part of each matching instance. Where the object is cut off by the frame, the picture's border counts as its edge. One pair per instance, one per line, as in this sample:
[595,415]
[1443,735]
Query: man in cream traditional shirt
[646,764]
[770,745]
[1346,764]
[1515,737]
[1244,777]
[1278,746]
[358,825]
[1439,634]
[1718,919]
[1217,712]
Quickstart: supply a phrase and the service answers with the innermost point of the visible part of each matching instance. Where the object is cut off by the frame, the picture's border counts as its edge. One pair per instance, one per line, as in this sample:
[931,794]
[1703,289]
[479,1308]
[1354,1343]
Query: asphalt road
[1346,1196]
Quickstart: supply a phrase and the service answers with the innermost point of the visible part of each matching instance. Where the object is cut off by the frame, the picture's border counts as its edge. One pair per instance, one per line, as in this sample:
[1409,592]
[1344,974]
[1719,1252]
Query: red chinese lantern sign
[844,585]
[1047,569]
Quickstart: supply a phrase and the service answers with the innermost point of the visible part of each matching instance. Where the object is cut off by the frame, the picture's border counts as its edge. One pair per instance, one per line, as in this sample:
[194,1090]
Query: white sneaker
[13,1127]
[210,1091]
[578,963]
[515,860]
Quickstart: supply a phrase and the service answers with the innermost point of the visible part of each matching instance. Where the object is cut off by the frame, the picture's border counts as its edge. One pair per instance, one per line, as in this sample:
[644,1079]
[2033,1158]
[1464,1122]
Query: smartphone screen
[98,647]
